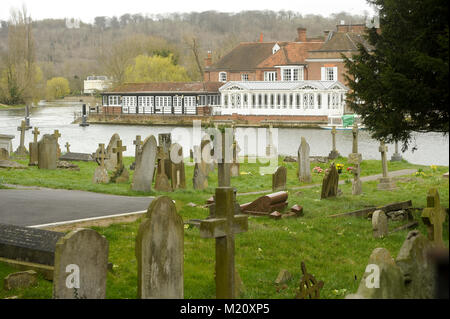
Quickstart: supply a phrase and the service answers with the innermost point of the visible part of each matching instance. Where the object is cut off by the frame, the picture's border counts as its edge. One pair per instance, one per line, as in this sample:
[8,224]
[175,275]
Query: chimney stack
[301,35]
[261,37]
[208,60]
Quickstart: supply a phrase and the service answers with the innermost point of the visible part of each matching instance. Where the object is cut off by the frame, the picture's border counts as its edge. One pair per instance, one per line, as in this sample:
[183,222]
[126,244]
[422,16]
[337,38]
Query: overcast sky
[86,10]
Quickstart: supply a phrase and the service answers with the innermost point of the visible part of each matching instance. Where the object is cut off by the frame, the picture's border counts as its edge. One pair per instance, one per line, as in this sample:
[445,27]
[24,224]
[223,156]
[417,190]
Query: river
[432,148]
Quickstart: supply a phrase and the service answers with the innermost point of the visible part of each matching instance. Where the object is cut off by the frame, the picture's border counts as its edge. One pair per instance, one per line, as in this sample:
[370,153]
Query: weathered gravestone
[111,160]
[303,161]
[20,280]
[206,160]
[178,174]
[34,148]
[4,154]
[21,150]
[234,168]
[330,183]
[160,252]
[433,216]
[279,179]
[266,204]
[5,142]
[223,155]
[47,149]
[162,183]
[120,174]
[379,224]
[410,276]
[385,182]
[165,141]
[271,150]
[81,265]
[355,159]
[67,147]
[223,227]
[100,173]
[199,180]
[334,152]
[138,145]
[58,149]
[145,165]
[396,157]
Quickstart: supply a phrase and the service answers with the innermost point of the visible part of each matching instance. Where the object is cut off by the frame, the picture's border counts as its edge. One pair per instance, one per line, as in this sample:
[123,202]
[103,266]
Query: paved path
[29,206]
[401,172]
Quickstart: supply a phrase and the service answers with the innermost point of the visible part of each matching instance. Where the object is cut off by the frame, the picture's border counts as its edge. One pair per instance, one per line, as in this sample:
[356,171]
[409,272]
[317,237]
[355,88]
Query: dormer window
[275,48]
[222,76]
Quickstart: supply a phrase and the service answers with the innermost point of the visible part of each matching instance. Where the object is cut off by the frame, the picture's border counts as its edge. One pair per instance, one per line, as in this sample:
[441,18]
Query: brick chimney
[301,35]
[208,60]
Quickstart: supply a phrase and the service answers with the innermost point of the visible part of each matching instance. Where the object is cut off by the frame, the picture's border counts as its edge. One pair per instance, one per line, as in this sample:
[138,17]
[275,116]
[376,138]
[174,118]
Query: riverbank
[335,250]
[11,107]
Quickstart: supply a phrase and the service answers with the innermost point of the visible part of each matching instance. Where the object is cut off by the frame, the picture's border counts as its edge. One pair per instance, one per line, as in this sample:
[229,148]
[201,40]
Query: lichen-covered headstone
[330,183]
[434,216]
[145,165]
[100,173]
[279,179]
[160,252]
[81,265]
[379,224]
[111,159]
[162,183]
[304,164]
[33,146]
[47,149]
[178,174]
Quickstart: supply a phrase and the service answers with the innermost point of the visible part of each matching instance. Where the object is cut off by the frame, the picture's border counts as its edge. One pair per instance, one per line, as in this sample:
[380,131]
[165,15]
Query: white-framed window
[114,100]
[270,76]
[308,101]
[292,73]
[329,73]
[222,76]
[244,77]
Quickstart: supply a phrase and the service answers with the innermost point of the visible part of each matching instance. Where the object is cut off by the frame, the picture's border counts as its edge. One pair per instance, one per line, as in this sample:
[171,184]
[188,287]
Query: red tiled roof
[179,87]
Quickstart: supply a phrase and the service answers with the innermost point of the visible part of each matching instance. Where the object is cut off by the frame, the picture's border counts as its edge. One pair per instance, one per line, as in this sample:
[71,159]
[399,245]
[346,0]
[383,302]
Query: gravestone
[334,152]
[78,157]
[121,174]
[81,265]
[110,159]
[165,140]
[47,149]
[224,170]
[145,165]
[234,168]
[433,216]
[379,224]
[160,252]
[67,147]
[162,183]
[303,161]
[206,161]
[34,148]
[309,286]
[355,159]
[223,227]
[27,244]
[21,150]
[271,150]
[410,276]
[4,154]
[199,180]
[138,145]
[279,179]
[20,280]
[100,173]
[266,204]
[58,149]
[396,157]
[178,174]
[330,183]
[5,142]
[385,182]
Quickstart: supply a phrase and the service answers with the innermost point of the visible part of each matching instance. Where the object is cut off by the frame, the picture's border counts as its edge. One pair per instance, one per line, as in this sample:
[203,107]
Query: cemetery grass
[335,250]
[249,181]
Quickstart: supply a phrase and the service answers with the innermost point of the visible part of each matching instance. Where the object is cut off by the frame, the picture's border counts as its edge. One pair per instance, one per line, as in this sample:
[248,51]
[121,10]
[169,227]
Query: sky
[86,10]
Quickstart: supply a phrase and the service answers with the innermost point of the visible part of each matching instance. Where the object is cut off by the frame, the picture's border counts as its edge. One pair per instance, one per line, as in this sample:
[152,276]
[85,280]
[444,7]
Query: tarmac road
[37,206]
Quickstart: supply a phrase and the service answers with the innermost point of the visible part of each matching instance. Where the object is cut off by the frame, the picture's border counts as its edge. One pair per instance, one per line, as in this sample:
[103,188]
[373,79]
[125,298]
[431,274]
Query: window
[298,101]
[270,76]
[284,101]
[222,76]
[308,101]
[292,74]
[272,102]
[278,101]
[244,77]
[287,75]
[254,100]
[114,100]
[329,73]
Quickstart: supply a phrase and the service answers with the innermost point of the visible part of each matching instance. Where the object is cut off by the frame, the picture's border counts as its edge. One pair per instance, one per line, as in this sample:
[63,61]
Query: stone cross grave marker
[47,152]
[100,174]
[223,227]
[110,159]
[396,157]
[162,183]
[145,165]
[355,159]
[334,152]
[270,148]
[121,174]
[355,138]
[138,145]
[178,180]
[330,183]
[160,252]
[385,182]
[223,165]
[81,265]
[67,147]
[235,165]
[279,179]
[34,148]
[309,285]
[433,216]
[303,162]
[165,140]
[58,149]
[21,150]
[379,224]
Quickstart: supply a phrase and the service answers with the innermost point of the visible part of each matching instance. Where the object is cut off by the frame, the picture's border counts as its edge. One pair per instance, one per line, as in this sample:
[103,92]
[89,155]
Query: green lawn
[335,250]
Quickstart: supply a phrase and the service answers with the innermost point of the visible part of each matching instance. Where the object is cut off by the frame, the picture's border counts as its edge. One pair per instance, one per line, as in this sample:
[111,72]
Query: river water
[432,148]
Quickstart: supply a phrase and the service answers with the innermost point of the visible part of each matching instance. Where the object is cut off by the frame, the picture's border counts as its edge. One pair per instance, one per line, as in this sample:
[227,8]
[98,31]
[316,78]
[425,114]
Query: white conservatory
[310,97]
